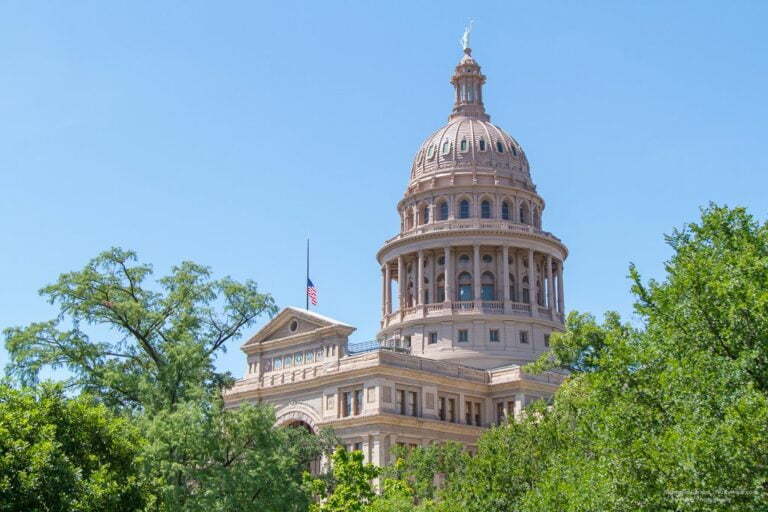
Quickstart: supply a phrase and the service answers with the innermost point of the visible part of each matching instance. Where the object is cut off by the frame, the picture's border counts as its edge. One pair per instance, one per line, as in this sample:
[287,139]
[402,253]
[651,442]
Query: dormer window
[499,147]
[431,152]
[481,143]
[463,147]
[446,147]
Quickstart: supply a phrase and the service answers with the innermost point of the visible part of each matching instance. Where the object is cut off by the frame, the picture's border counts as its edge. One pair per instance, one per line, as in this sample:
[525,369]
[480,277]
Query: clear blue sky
[225,133]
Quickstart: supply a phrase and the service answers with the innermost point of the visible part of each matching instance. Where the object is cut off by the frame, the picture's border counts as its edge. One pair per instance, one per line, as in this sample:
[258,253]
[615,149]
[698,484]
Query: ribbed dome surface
[470,144]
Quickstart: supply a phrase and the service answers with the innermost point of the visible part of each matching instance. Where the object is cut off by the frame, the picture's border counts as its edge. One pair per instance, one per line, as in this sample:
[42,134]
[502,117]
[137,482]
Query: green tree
[156,344]
[60,454]
[669,415]
[350,489]
[147,350]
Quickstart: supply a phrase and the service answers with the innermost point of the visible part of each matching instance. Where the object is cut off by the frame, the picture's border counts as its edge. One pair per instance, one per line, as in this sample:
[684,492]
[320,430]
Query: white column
[387,289]
[384,290]
[531,281]
[420,279]
[550,285]
[400,283]
[448,274]
[518,277]
[505,272]
[476,271]
[560,296]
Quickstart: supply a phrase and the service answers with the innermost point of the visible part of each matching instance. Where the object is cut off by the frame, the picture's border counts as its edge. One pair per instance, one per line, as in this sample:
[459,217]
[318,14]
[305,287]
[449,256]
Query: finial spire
[464,41]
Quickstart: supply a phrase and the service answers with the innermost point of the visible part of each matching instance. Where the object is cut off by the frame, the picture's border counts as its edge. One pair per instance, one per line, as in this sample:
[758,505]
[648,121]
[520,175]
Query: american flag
[311,292]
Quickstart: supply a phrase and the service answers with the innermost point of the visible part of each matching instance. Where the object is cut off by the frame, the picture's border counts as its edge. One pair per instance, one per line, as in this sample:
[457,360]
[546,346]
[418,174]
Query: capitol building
[471,288]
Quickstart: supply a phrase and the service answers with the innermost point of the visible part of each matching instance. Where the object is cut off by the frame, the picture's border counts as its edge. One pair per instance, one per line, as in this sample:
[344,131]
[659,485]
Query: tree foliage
[147,350]
[670,415]
[60,454]
[156,343]
[350,488]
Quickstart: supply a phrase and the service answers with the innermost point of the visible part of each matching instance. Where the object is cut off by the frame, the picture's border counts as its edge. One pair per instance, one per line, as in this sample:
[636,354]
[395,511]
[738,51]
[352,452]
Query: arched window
[485,209]
[425,215]
[440,290]
[487,286]
[524,217]
[505,210]
[512,290]
[481,143]
[426,290]
[442,210]
[499,146]
[464,209]
[465,287]
[463,146]
[409,219]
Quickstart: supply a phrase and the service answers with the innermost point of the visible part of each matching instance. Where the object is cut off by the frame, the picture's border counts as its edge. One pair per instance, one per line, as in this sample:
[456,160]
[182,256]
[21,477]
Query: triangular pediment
[294,322]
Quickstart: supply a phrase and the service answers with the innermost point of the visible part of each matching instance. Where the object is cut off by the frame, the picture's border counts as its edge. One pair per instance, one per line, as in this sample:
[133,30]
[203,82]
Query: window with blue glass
[487,287]
[465,287]
[505,210]
[442,211]
[464,209]
[485,209]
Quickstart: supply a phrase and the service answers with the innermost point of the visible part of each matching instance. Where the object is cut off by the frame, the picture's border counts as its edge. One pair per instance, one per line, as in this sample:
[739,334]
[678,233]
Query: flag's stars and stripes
[311,292]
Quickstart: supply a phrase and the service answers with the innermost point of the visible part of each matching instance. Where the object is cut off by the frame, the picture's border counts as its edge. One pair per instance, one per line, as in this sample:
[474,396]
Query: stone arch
[295,414]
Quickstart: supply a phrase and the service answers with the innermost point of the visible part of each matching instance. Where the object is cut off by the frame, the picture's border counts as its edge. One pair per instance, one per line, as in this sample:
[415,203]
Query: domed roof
[470,142]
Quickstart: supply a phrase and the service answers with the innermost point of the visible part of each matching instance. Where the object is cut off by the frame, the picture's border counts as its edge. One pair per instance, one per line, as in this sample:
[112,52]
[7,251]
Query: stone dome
[470,143]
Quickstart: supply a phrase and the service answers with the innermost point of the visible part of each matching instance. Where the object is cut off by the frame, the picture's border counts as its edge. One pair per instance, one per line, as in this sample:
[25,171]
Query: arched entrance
[297,416]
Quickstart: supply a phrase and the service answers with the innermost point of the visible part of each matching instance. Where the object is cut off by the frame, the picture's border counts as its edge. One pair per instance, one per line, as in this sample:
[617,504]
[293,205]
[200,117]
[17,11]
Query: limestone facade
[472,287]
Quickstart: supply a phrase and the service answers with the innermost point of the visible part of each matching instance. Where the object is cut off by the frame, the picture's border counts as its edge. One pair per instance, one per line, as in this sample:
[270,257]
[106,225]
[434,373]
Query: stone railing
[367,359]
[473,224]
[515,373]
[497,307]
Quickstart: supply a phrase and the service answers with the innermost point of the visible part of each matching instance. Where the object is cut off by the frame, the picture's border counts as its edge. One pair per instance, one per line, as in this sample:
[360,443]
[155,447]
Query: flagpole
[306,282]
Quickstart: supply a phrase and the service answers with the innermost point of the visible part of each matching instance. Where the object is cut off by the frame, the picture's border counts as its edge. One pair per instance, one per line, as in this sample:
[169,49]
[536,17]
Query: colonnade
[531,277]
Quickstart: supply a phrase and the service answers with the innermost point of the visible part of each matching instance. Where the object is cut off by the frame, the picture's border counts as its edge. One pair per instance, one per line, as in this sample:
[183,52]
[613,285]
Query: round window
[487,258]
[294,325]
[464,258]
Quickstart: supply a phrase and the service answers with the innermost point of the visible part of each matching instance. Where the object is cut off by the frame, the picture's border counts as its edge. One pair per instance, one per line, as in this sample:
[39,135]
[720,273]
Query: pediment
[294,322]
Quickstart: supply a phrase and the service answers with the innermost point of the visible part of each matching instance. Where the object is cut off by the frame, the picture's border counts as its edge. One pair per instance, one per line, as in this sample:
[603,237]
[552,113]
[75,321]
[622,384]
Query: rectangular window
[510,408]
[298,359]
[468,412]
[546,340]
[407,342]
[500,413]
[358,401]
[432,338]
[441,410]
[494,335]
[401,401]
[452,410]
[358,447]
[287,362]
[463,335]
[278,363]
[478,416]
[346,404]
[524,337]
[309,357]
[413,403]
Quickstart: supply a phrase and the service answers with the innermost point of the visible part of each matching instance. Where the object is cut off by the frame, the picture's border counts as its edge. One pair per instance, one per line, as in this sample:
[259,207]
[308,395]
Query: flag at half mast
[311,292]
